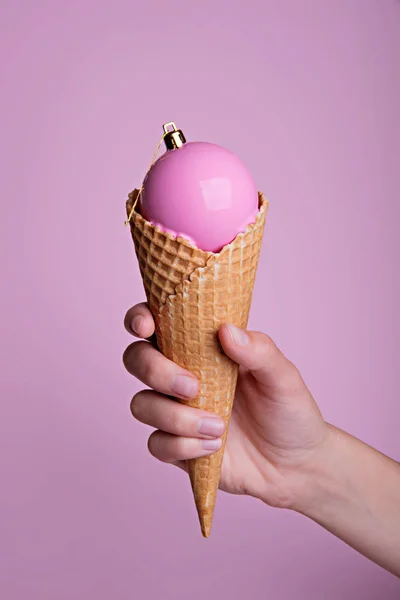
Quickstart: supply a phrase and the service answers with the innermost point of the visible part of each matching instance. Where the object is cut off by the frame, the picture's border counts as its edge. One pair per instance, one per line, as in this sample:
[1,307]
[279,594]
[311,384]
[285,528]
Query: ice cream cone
[191,293]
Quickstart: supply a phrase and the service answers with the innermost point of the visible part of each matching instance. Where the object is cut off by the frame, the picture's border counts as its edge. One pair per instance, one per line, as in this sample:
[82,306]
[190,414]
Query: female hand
[276,428]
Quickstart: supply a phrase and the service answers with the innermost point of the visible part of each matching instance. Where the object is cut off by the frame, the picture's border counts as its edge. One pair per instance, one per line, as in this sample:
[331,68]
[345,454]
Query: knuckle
[126,355]
[139,350]
[144,362]
[295,376]
[180,444]
[153,444]
[142,406]
[176,421]
[291,381]
[268,345]
[133,354]
[295,372]
[139,362]
[128,317]
[136,404]
[265,351]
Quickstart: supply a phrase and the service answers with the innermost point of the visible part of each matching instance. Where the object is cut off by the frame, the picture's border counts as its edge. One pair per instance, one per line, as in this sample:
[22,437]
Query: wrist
[353,491]
[315,482]
[304,482]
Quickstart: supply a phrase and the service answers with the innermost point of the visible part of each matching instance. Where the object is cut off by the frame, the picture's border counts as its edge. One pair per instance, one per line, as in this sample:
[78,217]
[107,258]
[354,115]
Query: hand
[279,448]
[276,429]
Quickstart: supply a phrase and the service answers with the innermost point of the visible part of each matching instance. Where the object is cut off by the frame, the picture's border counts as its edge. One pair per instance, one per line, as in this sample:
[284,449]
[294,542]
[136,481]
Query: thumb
[259,354]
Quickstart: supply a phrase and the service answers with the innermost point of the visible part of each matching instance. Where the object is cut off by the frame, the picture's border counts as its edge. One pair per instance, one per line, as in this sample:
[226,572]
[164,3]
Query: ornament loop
[170,124]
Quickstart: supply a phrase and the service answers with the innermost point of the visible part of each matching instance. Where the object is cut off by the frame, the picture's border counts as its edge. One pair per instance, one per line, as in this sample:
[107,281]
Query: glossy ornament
[199,191]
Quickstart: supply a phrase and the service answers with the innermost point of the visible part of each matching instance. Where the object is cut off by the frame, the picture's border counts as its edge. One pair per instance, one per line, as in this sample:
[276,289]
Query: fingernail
[239,336]
[212,444]
[211,426]
[184,386]
[136,323]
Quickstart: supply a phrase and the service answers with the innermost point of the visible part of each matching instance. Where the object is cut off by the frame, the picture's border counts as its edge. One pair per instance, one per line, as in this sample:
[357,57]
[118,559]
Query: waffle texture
[191,293]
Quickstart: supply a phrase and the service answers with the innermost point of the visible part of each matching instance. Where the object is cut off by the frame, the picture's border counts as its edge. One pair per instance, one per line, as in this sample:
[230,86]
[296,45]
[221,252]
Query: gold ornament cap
[173,138]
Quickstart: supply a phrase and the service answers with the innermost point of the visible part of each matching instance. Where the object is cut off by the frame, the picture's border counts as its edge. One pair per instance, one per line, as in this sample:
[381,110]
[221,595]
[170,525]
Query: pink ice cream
[202,192]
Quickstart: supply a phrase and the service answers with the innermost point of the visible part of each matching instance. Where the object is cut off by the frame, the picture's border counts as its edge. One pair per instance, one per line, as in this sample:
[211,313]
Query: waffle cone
[191,293]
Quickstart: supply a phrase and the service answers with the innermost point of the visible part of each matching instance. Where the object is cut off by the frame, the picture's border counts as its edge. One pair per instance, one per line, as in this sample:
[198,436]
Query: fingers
[171,417]
[139,321]
[258,353]
[185,432]
[171,449]
[154,370]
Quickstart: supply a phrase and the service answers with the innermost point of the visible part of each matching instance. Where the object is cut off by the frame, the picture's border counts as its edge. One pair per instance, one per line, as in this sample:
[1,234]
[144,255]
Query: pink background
[307,92]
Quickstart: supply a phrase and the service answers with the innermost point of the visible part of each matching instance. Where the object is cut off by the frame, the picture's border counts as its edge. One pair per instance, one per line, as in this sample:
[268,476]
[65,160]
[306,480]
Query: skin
[279,448]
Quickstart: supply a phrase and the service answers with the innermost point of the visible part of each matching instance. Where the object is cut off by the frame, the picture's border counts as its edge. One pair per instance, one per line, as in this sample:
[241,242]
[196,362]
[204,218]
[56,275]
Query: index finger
[139,321]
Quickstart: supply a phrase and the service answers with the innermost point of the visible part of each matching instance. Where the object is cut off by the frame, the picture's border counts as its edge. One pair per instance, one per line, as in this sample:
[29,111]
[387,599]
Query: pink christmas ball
[201,192]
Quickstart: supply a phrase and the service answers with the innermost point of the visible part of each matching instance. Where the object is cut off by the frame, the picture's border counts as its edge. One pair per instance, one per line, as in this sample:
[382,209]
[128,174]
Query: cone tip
[205,527]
